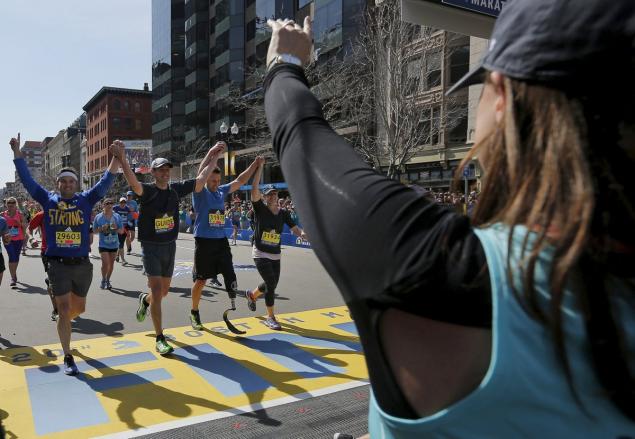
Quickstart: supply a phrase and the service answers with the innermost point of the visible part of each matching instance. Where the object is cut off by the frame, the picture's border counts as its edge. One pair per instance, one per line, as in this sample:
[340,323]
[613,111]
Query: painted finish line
[125,385]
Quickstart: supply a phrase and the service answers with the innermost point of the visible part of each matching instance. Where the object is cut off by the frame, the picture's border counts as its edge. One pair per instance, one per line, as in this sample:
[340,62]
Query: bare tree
[388,91]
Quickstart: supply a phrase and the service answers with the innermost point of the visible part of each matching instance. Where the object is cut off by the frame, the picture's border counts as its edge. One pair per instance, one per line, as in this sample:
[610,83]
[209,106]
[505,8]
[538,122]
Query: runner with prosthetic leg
[212,254]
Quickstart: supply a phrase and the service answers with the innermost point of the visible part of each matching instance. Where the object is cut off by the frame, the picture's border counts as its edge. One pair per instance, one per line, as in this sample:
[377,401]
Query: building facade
[114,113]
[32,153]
[168,75]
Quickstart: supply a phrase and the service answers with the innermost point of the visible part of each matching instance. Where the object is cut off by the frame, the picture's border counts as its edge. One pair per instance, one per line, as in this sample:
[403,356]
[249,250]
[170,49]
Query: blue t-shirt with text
[66,220]
[108,238]
[134,207]
[210,212]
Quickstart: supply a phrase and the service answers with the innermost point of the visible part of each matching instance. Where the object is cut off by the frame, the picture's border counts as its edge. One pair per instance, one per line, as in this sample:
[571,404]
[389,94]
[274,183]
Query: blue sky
[58,54]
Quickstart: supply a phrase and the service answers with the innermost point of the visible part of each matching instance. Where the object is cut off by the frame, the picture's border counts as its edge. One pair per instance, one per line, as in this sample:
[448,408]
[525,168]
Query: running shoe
[272,323]
[70,368]
[102,285]
[162,345]
[251,302]
[117,258]
[129,252]
[142,310]
[54,315]
[123,261]
[108,285]
[13,283]
[215,283]
[195,320]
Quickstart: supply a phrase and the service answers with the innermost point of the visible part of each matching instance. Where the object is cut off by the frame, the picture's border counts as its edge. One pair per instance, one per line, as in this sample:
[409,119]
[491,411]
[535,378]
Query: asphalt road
[25,311]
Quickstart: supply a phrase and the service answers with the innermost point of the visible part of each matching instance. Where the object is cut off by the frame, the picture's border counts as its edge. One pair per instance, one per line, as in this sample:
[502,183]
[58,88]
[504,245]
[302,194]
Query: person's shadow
[151,397]
[126,293]
[30,289]
[4,433]
[90,326]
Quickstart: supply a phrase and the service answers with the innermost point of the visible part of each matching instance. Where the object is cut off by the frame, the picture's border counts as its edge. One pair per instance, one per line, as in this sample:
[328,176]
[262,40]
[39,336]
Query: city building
[32,153]
[168,75]
[114,113]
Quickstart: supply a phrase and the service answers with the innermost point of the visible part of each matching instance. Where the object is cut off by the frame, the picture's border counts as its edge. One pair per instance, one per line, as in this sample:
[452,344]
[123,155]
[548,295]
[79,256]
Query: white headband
[66,174]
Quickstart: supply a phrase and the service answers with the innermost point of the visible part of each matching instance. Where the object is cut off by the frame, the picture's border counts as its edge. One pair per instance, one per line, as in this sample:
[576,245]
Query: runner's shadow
[150,396]
[30,289]
[126,293]
[319,334]
[90,326]
[4,433]
[137,267]
[187,292]
[17,355]
[281,380]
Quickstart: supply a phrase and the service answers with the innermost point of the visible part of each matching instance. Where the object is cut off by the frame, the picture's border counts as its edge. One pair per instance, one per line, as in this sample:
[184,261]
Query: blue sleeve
[119,222]
[98,191]
[38,193]
[3,226]
[225,189]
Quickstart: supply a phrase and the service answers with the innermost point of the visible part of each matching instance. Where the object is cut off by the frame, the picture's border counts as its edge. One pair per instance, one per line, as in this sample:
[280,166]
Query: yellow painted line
[125,386]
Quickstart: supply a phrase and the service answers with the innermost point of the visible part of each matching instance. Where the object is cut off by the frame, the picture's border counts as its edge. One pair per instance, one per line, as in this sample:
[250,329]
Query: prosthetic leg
[232,299]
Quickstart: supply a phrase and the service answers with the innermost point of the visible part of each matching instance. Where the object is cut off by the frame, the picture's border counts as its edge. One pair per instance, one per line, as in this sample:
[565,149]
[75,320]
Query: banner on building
[139,154]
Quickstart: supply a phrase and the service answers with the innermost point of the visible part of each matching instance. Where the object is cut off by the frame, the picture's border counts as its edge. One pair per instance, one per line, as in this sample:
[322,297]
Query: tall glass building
[168,73]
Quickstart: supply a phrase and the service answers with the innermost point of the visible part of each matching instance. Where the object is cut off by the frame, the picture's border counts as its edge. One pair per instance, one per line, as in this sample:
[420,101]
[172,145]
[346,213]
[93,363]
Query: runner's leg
[197,291]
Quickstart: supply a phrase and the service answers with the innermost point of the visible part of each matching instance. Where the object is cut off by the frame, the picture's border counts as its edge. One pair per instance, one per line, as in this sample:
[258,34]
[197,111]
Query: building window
[137,107]
[116,105]
[126,105]
[137,124]
[116,122]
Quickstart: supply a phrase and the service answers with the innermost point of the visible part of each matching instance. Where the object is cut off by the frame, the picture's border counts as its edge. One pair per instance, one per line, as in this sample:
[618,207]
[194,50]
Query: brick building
[114,113]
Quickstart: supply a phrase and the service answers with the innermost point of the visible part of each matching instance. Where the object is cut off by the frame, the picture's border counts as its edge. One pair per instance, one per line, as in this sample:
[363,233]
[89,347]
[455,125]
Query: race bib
[68,239]
[270,238]
[216,220]
[111,238]
[164,224]
[14,231]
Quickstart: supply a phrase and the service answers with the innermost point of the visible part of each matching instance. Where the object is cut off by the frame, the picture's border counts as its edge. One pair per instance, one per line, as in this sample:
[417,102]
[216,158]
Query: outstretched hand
[218,148]
[15,143]
[260,160]
[289,37]
[117,149]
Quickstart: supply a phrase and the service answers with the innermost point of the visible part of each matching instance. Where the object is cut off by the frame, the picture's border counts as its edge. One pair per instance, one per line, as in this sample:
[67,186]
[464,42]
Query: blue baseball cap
[269,189]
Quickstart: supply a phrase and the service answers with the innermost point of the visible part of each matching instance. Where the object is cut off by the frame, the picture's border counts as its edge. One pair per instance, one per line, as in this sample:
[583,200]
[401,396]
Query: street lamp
[228,156]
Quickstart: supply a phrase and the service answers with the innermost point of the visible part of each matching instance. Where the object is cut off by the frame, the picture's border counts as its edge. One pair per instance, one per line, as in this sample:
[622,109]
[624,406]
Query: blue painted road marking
[348,327]
[220,371]
[54,395]
[282,349]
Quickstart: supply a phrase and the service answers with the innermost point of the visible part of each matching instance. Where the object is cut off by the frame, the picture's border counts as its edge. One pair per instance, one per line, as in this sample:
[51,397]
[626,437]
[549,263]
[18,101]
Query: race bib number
[270,238]
[164,224]
[14,231]
[110,238]
[216,220]
[68,239]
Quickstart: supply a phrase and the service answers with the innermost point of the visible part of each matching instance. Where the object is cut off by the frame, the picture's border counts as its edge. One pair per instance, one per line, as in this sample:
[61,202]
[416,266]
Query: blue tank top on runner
[210,212]
[525,393]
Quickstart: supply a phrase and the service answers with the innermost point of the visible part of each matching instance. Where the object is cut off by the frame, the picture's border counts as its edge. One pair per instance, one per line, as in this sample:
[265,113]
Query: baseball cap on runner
[563,43]
[160,161]
[269,189]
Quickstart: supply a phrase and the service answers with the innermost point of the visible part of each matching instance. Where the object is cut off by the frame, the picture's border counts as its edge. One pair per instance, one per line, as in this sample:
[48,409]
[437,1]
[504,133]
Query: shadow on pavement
[90,326]
[30,289]
[126,293]
[151,397]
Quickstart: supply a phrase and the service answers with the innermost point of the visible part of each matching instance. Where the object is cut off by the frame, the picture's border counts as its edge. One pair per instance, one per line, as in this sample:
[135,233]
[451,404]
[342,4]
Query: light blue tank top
[524,394]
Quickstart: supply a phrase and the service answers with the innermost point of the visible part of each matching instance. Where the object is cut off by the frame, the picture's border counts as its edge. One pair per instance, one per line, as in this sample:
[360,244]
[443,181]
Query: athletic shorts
[122,240]
[211,257]
[2,267]
[65,278]
[158,259]
[236,223]
[129,227]
[107,250]
[45,262]
[13,250]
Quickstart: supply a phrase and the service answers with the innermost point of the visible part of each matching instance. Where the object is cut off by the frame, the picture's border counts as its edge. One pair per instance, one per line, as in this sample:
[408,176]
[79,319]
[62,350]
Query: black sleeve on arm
[379,240]
[184,188]
[384,245]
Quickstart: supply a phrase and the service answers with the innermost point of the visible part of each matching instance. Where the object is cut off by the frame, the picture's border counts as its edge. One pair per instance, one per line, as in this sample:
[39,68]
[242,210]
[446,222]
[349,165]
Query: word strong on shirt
[65,215]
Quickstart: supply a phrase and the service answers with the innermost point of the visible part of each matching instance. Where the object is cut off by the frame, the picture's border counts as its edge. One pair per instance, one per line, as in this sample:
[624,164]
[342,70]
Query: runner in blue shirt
[66,222]
[6,238]
[212,254]
[132,220]
[125,212]
[109,225]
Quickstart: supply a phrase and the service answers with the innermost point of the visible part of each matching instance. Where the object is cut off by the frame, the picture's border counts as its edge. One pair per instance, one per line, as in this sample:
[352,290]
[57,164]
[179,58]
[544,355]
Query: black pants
[270,272]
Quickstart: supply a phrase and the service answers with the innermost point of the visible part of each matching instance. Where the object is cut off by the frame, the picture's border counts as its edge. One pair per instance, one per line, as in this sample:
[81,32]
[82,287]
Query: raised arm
[255,183]
[206,159]
[244,176]
[117,150]
[213,154]
[38,193]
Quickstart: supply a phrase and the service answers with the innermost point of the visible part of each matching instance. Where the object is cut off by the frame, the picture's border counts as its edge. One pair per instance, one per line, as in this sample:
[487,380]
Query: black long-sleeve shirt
[384,245]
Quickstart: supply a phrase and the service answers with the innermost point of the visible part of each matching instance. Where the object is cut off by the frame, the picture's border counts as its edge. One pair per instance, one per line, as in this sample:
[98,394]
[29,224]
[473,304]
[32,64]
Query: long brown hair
[554,165]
